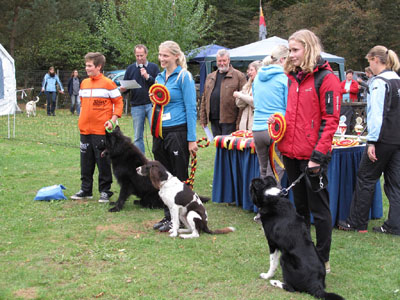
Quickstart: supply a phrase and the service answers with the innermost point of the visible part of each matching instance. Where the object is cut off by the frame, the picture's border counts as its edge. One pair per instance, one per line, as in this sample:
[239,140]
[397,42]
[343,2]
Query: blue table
[234,170]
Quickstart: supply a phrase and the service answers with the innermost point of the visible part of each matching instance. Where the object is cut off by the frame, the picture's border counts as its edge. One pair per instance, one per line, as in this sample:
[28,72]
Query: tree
[151,22]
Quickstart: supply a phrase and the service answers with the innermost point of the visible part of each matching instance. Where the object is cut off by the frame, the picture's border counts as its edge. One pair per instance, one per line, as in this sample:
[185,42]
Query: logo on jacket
[308,90]
[176,153]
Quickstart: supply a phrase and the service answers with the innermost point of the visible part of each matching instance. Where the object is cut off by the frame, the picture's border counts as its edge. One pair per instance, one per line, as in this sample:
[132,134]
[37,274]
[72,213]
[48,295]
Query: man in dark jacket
[144,73]
[218,104]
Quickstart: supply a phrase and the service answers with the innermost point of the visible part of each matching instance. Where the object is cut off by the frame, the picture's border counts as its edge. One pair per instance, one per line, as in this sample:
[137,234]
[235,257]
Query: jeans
[51,102]
[75,100]
[218,128]
[139,114]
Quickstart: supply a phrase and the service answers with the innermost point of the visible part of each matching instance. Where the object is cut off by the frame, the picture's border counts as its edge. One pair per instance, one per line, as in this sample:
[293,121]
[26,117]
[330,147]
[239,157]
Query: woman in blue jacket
[269,96]
[49,87]
[178,139]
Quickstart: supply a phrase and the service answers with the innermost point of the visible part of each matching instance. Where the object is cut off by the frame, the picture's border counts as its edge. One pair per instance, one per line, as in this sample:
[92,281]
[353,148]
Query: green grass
[78,250]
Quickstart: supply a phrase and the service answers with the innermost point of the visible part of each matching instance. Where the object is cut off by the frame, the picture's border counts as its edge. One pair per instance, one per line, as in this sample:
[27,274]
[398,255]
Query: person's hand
[312,164]
[122,89]
[108,125]
[144,74]
[359,80]
[271,119]
[42,90]
[371,153]
[61,92]
[193,148]
[236,94]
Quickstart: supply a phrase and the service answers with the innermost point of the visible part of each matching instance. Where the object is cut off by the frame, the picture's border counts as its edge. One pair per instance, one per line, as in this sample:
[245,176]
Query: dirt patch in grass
[121,230]
[149,223]
[29,293]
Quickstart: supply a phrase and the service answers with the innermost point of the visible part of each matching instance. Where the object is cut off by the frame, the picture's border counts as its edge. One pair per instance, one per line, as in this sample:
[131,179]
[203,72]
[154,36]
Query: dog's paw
[267,275]
[173,234]
[112,202]
[114,209]
[276,283]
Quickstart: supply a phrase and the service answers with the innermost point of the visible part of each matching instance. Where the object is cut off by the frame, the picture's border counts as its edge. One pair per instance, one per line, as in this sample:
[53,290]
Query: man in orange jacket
[101,106]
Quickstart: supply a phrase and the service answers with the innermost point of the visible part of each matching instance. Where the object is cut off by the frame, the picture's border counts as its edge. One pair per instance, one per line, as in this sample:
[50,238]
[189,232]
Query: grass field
[78,250]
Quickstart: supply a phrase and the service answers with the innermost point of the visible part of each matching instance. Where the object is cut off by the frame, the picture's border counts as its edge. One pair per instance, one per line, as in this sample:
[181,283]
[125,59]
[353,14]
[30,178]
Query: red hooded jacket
[353,89]
[312,119]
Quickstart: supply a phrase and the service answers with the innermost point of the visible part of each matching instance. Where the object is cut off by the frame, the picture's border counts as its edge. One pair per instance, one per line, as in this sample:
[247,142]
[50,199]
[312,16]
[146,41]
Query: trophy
[358,128]
[342,126]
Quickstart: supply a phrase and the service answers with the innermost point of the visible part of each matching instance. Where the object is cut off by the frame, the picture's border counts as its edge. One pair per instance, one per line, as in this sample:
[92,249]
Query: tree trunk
[14,30]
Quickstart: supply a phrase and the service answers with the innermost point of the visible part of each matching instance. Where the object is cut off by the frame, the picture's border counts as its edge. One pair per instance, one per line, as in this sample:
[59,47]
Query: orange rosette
[276,131]
[160,97]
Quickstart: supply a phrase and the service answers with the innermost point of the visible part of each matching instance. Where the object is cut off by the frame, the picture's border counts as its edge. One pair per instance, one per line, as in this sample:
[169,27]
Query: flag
[262,26]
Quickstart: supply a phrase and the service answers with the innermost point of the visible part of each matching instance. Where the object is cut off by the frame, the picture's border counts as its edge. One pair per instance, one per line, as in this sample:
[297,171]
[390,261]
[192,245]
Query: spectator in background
[365,84]
[101,106]
[312,119]
[382,154]
[74,84]
[270,92]
[144,72]
[244,98]
[49,87]
[349,88]
[218,103]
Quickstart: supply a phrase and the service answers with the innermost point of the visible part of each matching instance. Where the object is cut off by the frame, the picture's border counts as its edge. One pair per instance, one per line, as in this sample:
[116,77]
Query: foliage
[133,22]
[346,28]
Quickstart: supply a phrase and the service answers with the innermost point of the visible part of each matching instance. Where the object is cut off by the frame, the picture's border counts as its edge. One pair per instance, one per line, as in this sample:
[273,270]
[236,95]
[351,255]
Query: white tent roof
[8,96]
[259,50]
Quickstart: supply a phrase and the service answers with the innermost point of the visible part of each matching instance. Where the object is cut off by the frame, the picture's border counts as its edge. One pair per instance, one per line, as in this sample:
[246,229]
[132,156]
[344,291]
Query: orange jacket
[100,100]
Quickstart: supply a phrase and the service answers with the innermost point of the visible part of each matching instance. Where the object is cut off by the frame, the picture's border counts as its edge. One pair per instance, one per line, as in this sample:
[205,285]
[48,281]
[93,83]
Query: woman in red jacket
[349,87]
[312,117]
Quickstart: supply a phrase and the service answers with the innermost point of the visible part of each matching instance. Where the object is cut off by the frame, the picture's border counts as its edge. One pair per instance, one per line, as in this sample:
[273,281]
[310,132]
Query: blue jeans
[139,114]
[75,100]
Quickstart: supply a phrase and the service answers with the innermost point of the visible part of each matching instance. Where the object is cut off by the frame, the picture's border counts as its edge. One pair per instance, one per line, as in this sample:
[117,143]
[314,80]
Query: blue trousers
[139,115]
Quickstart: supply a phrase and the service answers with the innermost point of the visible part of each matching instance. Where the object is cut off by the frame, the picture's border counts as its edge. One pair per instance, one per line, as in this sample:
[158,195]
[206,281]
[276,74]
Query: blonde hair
[248,85]
[277,53]
[312,51]
[174,49]
[385,56]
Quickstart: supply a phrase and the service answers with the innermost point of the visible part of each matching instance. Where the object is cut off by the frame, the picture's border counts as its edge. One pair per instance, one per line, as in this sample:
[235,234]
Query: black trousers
[218,128]
[90,157]
[368,174]
[317,202]
[173,152]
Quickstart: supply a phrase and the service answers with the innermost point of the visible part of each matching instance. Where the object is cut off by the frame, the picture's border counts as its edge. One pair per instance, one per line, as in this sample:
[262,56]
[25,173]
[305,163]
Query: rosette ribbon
[276,131]
[160,97]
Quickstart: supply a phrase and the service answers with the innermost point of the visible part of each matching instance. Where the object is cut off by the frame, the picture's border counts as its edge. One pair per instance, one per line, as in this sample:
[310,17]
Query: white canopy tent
[259,50]
[8,95]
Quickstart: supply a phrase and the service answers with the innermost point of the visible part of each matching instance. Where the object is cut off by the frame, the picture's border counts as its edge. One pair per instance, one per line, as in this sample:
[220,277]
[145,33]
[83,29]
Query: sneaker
[343,225]
[382,229]
[327,267]
[165,227]
[81,195]
[104,198]
[160,223]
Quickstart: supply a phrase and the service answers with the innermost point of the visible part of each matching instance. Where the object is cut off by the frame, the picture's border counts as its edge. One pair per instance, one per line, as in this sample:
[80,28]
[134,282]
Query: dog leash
[193,164]
[285,191]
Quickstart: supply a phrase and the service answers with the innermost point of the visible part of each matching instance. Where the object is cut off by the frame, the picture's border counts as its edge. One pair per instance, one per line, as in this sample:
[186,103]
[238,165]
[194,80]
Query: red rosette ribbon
[276,131]
[346,143]
[160,97]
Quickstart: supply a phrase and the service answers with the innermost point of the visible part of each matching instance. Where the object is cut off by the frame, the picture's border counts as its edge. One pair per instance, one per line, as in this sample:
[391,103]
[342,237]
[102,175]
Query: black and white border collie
[183,203]
[302,268]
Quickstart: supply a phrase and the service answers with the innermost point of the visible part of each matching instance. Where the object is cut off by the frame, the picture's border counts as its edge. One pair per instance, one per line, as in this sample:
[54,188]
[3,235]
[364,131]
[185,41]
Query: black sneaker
[165,227]
[104,198]
[81,195]
[343,225]
[382,229]
[160,223]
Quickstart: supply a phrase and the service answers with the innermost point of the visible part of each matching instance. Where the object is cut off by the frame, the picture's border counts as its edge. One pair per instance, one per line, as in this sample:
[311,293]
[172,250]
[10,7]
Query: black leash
[285,191]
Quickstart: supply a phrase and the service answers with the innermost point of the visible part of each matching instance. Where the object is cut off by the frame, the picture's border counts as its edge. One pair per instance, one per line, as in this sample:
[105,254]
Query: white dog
[31,107]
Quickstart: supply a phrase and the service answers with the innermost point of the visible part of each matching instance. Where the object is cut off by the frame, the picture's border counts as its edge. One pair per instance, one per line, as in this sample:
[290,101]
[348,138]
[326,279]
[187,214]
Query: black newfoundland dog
[125,158]
[286,232]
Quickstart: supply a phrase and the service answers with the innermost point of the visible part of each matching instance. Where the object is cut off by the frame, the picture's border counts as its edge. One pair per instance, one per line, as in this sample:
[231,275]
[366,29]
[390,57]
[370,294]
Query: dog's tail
[328,296]
[220,231]
[37,99]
